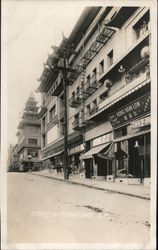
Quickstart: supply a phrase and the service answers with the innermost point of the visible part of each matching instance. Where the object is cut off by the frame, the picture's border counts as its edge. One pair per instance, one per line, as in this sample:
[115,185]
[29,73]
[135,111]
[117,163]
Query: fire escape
[86,89]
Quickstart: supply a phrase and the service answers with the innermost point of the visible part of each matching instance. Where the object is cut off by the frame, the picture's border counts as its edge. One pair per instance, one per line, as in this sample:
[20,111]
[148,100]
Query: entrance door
[134,160]
[89,168]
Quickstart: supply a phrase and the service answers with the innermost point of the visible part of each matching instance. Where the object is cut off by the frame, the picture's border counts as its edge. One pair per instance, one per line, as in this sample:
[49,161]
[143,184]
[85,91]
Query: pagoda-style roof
[35,122]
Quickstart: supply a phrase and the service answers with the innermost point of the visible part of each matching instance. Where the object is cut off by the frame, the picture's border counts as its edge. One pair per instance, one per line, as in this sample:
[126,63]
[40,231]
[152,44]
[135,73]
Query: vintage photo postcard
[79,124]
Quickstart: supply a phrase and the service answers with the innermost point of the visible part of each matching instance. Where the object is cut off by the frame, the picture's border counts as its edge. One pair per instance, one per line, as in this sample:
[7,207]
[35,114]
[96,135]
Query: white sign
[141,123]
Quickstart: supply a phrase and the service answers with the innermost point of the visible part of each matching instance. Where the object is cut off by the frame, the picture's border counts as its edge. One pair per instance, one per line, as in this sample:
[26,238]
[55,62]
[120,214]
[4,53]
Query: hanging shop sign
[134,109]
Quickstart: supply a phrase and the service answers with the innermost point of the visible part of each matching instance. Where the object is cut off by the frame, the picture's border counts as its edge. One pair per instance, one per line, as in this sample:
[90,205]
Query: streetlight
[29,157]
[137,146]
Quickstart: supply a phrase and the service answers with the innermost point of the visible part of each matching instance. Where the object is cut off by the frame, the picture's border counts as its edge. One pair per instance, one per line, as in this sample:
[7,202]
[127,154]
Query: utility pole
[64,53]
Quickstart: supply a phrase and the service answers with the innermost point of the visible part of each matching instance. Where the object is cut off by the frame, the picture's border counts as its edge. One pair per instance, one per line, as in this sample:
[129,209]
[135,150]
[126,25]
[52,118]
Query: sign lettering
[130,111]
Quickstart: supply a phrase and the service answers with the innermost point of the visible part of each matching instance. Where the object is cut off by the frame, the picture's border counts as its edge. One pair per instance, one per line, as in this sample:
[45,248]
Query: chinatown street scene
[79,125]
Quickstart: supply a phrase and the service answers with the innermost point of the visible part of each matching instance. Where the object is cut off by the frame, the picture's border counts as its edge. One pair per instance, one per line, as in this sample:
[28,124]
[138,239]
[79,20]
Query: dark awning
[108,154]
[93,151]
[55,154]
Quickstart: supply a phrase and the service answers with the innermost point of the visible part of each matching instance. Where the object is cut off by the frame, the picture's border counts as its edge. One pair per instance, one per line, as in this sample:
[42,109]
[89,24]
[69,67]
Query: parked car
[122,173]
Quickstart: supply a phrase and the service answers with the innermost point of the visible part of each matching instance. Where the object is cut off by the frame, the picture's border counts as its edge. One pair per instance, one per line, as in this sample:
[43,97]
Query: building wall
[120,42]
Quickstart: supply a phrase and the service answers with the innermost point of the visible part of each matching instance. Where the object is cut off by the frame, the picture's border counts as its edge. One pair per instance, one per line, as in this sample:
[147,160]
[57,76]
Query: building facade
[29,136]
[108,96]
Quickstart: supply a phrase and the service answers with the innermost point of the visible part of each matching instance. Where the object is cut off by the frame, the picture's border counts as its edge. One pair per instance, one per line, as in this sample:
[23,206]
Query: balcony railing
[136,71]
[88,89]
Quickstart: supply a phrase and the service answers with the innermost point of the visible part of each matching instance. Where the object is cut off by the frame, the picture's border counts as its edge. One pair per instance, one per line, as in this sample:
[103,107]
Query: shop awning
[55,154]
[93,151]
[108,154]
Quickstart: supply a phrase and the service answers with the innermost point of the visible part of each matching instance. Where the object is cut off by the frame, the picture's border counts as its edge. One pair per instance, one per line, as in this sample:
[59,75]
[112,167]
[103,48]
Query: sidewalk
[139,190]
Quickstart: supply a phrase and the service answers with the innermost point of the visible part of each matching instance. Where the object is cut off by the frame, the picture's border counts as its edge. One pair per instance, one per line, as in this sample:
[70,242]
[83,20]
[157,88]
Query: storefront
[131,126]
[98,160]
[74,158]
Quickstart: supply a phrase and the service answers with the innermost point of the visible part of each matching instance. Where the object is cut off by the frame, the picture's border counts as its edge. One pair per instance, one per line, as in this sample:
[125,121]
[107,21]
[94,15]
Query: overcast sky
[32,27]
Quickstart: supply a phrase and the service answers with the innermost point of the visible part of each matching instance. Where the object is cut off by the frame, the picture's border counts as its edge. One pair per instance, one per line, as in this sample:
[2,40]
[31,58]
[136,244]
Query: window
[43,122]
[94,76]
[32,141]
[44,140]
[110,58]
[95,103]
[88,109]
[33,152]
[120,132]
[52,113]
[76,120]
[101,67]
[61,103]
[77,90]
[88,80]
[142,26]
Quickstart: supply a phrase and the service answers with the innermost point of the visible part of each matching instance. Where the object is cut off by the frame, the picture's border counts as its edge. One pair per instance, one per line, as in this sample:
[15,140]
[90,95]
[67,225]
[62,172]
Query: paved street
[42,210]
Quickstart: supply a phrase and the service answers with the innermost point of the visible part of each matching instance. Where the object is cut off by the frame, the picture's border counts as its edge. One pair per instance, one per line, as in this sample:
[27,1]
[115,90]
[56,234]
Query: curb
[95,187]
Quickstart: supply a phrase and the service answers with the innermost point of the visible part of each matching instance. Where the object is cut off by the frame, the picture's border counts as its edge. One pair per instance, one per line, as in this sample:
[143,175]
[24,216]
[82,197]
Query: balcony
[137,70]
[90,87]
[135,84]
[126,58]
[76,100]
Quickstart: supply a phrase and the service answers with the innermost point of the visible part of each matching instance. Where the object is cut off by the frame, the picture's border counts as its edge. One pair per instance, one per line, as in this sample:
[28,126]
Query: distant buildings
[29,136]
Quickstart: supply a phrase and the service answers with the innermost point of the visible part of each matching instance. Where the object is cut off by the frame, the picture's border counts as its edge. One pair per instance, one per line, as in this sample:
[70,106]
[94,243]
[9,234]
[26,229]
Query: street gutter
[94,187]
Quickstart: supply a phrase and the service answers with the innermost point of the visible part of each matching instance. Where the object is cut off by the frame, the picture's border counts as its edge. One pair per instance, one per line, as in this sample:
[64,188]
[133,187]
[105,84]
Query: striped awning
[93,151]
[119,96]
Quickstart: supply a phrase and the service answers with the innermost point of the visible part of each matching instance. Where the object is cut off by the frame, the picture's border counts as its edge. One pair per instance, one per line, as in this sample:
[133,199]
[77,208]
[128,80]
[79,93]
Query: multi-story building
[108,97]
[29,136]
